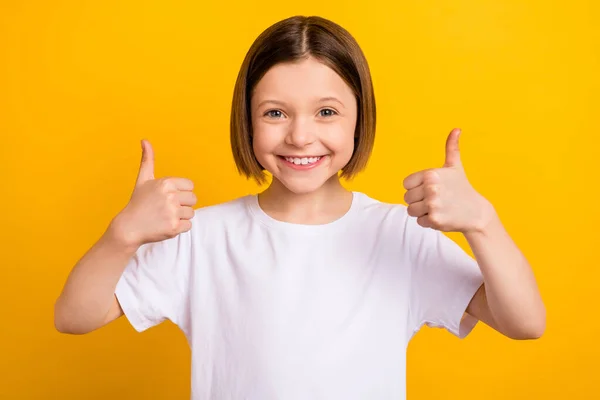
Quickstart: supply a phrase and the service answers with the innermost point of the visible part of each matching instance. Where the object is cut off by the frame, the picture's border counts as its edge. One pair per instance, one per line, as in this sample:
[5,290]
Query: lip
[301,167]
[297,156]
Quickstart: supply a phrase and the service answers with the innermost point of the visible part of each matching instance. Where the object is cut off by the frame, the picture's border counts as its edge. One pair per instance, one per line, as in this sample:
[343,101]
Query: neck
[326,204]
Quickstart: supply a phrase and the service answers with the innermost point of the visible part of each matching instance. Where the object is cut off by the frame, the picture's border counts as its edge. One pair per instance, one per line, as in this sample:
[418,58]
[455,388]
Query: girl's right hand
[159,209]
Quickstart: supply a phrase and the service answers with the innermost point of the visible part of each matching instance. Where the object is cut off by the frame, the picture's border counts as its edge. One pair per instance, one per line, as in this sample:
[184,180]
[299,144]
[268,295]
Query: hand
[443,198]
[159,209]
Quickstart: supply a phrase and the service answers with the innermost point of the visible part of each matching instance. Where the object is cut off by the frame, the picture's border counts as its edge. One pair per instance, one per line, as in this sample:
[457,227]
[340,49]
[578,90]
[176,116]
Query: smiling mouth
[302,160]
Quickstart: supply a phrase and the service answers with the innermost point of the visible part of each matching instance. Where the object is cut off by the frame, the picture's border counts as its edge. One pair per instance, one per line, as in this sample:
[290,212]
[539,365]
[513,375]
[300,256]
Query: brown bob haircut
[291,40]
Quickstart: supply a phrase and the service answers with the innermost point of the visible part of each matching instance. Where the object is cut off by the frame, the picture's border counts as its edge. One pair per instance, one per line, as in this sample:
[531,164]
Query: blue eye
[274,114]
[327,112]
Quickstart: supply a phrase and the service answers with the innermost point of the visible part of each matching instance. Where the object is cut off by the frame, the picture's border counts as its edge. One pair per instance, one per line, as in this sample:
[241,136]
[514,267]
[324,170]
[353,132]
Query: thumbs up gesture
[443,199]
[159,209]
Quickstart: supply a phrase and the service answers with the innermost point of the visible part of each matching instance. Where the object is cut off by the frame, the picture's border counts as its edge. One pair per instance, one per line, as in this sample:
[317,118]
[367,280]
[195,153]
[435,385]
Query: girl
[306,290]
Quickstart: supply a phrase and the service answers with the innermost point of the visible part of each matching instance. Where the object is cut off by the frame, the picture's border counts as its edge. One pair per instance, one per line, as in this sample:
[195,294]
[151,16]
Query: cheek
[342,137]
[266,138]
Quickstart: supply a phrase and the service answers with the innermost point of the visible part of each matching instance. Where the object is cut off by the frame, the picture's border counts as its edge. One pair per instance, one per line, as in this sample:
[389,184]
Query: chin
[302,186]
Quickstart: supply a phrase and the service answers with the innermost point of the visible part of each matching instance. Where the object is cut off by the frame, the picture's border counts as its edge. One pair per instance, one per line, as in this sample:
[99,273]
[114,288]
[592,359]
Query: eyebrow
[321,100]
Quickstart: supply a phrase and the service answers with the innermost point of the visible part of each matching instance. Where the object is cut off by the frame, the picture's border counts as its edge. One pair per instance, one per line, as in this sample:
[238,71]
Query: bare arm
[444,199]
[87,301]
[158,209]
[509,301]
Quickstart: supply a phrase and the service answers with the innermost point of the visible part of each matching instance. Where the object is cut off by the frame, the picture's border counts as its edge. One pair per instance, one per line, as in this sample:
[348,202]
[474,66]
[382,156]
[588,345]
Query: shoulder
[370,208]
[229,213]
[391,218]
[219,209]
[227,210]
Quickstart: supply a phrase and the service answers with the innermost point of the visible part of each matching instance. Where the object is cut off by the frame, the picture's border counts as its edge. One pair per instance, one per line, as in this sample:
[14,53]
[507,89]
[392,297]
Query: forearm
[88,294]
[511,290]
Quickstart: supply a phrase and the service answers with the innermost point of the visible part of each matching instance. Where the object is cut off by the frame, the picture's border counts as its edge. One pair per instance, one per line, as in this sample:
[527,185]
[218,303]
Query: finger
[413,180]
[415,195]
[180,184]
[452,149]
[187,198]
[184,225]
[424,221]
[186,212]
[417,209]
[146,171]
[183,184]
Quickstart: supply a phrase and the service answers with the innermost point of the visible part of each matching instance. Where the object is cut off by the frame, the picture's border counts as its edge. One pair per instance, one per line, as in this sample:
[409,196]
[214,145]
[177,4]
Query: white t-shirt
[274,310]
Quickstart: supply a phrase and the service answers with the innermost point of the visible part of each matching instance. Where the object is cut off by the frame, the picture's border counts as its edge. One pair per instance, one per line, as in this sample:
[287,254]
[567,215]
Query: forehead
[305,80]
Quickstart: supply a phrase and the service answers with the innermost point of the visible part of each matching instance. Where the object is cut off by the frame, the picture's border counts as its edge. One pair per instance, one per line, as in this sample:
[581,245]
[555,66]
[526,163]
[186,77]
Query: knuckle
[171,197]
[164,184]
[173,226]
[435,219]
[429,175]
[185,213]
[432,203]
[169,212]
[432,189]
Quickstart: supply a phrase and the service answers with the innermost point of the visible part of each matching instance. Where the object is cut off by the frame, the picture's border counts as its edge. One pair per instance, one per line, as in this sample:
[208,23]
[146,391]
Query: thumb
[146,172]
[452,149]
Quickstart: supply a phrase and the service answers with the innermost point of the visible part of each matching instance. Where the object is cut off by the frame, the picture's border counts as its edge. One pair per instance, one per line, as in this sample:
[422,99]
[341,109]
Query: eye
[274,114]
[327,112]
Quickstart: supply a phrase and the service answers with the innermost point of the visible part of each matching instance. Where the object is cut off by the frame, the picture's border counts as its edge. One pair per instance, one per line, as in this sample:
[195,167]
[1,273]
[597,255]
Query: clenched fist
[443,199]
[159,209]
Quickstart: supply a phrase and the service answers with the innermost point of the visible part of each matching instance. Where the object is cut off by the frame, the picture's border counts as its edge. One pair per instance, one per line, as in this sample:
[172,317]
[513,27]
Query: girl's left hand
[443,198]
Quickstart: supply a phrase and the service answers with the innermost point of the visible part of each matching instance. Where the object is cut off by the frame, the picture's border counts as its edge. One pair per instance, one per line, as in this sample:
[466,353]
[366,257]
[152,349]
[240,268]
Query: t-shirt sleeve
[444,279]
[154,285]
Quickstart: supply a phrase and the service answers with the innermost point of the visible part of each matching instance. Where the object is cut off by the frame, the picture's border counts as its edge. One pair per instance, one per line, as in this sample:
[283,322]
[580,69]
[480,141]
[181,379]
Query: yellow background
[82,82]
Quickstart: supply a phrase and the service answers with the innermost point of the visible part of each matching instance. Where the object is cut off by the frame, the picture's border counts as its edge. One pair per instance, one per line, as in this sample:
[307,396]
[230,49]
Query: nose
[301,133]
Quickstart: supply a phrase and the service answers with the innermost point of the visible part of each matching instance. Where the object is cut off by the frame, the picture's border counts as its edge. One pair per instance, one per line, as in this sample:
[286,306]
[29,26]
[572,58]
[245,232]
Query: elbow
[61,321]
[68,322]
[533,328]
[538,334]
[538,327]
[537,330]
[532,333]
[62,327]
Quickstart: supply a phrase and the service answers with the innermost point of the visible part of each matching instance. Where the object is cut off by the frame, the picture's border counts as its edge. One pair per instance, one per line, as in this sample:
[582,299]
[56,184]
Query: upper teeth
[303,161]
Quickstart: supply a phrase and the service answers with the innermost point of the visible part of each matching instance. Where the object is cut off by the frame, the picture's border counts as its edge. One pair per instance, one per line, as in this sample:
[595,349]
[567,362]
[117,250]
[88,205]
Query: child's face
[303,121]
